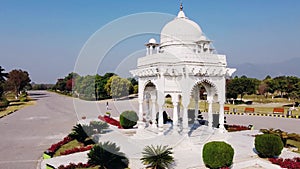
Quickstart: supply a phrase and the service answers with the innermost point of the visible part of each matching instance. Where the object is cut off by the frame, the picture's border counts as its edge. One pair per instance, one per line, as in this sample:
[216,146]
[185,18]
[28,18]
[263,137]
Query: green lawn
[68,146]
[294,143]
[14,106]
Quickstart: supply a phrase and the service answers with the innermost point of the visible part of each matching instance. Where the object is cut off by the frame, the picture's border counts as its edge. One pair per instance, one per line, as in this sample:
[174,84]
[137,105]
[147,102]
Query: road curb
[269,115]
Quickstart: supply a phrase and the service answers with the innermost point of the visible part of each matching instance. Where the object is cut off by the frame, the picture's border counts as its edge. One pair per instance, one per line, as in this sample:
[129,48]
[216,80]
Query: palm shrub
[268,145]
[158,157]
[128,119]
[99,126]
[108,156]
[81,132]
[217,154]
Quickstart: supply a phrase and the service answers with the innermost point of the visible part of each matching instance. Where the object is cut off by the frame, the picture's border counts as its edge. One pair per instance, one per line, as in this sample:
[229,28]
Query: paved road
[26,133]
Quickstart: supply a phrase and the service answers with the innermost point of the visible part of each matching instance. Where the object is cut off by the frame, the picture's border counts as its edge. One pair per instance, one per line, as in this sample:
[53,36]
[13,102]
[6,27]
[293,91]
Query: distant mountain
[289,67]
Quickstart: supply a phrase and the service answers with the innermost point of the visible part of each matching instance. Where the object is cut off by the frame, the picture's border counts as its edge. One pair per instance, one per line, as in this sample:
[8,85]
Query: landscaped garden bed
[289,139]
[233,128]
[110,120]
[286,163]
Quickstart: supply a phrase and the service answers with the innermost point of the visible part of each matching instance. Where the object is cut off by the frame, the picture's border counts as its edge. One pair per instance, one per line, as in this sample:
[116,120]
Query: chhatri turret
[182,63]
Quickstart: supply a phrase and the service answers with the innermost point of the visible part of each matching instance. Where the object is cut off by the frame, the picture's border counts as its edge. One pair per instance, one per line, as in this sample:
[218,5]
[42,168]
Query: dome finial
[181,13]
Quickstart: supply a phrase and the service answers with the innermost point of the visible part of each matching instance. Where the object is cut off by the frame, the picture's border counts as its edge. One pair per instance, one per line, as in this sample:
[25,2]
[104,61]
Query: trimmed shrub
[3,103]
[268,145]
[128,119]
[217,154]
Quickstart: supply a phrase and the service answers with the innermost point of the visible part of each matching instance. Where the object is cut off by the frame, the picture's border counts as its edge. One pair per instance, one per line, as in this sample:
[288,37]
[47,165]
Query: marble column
[153,100]
[185,120]
[175,114]
[221,117]
[210,115]
[140,122]
[196,97]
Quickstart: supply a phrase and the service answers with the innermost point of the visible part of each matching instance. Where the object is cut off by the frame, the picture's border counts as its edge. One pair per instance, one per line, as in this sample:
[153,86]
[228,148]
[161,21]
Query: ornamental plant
[76,150]
[99,126]
[217,154]
[286,163]
[283,135]
[56,146]
[268,145]
[158,157]
[128,119]
[110,120]
[73,166]
[108,156]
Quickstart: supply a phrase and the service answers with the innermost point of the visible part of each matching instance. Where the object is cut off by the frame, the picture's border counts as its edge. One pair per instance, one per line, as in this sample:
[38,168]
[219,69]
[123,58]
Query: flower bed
[232,128]
[110,120]
[72,166]
[286,163]
[56,146]
[76,150]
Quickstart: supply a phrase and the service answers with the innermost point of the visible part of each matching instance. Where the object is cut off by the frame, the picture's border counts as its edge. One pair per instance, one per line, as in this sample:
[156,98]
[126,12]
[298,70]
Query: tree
[108,156]
[100,82]
[60,85]
[158,157]
[241,86]
[117,87]
[17,81]
[263,89]
[3,76]
[87,87]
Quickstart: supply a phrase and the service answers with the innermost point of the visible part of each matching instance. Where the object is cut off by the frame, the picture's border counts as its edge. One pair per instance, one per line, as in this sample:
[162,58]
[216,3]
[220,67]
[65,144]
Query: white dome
[152,40]
[180,30]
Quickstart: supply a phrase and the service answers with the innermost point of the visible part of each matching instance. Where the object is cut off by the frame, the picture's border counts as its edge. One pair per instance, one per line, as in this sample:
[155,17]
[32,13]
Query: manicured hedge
[128,119]
[217,154]
[268,145]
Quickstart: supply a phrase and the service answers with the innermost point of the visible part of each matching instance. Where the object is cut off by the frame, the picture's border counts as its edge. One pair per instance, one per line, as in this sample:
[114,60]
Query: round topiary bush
[268,145]
[217,154]
[128,119]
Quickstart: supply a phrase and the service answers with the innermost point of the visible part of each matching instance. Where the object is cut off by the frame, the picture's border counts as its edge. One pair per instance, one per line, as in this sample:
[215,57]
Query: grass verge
[294,143]
[14,106]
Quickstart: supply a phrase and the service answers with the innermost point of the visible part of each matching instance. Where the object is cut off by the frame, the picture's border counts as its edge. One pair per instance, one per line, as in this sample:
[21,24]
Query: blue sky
[45,37]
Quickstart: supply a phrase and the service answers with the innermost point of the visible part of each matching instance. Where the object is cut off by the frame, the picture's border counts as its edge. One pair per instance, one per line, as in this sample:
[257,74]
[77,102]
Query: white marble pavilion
[178,66]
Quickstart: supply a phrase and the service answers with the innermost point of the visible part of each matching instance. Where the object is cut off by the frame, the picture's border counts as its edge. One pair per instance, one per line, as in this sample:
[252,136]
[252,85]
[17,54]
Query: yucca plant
[158,157]
[81,132]
[99,126]
[108,156]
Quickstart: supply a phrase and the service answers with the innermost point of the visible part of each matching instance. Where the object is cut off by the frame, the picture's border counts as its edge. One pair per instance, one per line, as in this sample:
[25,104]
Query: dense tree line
[110,85]
[16,81]
[281,86]
[96,87]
